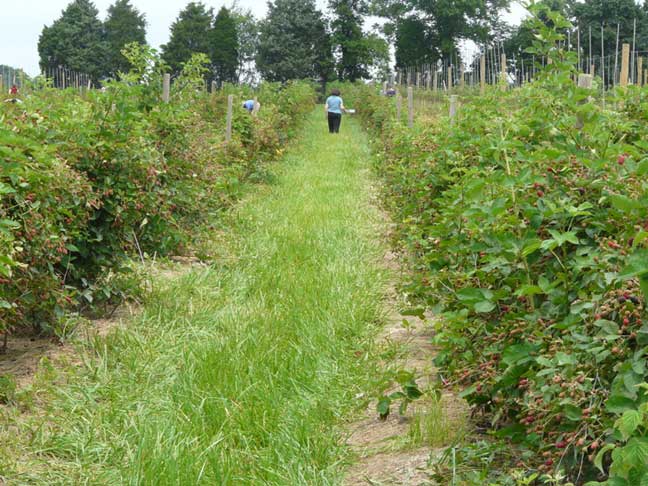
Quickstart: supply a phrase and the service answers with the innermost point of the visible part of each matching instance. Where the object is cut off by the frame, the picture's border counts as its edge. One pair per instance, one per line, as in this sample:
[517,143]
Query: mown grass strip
[236,374]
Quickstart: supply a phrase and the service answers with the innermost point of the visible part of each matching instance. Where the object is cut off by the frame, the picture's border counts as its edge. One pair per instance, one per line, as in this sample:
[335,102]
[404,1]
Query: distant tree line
[600,18]
[297,41]
[294,41]
[426,31]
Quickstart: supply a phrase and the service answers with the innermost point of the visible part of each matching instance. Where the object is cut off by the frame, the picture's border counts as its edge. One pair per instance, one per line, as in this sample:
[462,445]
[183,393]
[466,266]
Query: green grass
[238,374]
[434,425]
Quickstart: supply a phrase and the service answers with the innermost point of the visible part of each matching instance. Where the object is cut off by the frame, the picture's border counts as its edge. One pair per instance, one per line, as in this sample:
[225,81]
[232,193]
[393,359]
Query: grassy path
[237,374]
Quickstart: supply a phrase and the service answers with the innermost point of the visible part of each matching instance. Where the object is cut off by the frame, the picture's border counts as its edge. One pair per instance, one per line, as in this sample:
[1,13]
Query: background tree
[442,23]
[9,74]
[191,33]
[224,48]
[357,51]
[294,42]
[414,43]
[75,41]
[522,36]
[247,30]
[124,25]
[609,14]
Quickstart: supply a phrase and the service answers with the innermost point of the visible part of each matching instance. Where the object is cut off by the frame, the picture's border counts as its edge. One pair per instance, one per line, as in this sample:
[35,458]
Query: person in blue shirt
[334,109]
[250,106]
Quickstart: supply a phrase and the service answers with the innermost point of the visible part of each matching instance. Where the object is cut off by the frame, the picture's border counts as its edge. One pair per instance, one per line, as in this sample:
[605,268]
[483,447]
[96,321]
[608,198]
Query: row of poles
[60,77]
[166,98]
[64,78]
[584,80]
[517,69]
[492,69]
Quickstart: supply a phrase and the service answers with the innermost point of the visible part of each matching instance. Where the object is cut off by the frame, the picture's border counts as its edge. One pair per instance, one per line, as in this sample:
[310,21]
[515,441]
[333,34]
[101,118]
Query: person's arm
[342,105]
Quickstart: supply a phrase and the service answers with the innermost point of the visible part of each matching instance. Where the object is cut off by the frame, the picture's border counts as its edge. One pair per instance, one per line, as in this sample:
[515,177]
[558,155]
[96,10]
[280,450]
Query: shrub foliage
[529,236]
[87,181]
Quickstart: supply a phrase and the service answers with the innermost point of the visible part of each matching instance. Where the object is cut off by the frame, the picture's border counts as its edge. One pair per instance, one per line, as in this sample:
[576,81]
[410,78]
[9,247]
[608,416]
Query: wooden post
[255,110]
[593,69]
[166,88]
[436,81]
[214,87]
[399,104]
[462,81]
[482,75]
[454,100]
[1,85]
[640,80]
[418,80]
[625,65]
[230,113]
[504,79]
[385,88]
[585,82]
[410,107]
[449,78]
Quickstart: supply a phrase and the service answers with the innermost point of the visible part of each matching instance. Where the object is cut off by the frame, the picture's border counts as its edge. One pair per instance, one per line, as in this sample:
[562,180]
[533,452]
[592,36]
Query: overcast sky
[22,21]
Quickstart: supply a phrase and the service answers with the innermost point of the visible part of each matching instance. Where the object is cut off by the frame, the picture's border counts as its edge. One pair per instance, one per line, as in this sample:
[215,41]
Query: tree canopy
[294,42]
[440,24]
[75,40]
[357,52]
[224,53]
[191,33]
[247,31]
[124,25]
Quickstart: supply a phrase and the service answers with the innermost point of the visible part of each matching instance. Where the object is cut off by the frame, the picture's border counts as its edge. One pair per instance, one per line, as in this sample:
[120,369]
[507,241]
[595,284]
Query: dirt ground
[25,353]
[384,456]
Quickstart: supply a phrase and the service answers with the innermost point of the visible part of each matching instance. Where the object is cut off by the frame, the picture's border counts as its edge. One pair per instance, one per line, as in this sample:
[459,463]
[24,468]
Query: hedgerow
[529,238]
[88,181]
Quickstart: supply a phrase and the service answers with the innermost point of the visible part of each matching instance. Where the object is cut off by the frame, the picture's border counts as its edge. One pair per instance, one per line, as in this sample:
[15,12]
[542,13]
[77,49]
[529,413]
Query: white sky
[22,21]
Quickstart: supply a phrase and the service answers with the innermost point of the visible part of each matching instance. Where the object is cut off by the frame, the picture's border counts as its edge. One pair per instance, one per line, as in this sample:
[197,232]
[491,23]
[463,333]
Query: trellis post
[166,88]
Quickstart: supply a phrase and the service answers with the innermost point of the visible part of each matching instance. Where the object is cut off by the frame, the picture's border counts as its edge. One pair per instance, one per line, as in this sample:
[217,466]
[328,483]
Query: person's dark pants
[334,121]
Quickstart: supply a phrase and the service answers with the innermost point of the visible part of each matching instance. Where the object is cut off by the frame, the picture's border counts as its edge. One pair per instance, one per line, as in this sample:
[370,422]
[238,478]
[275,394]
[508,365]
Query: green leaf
[531,247]
[618,404]
[628,423]
[639,238]
[484,306]
[636,267]
[383,407]
[643,282]
[473,295]
[598,460]
[572,412]
[528,290]
[412,391]
[635,454]
[565,359]
[7,223]
[468,391]
[518,353]
[5,189]
[624,203]
[642,167]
